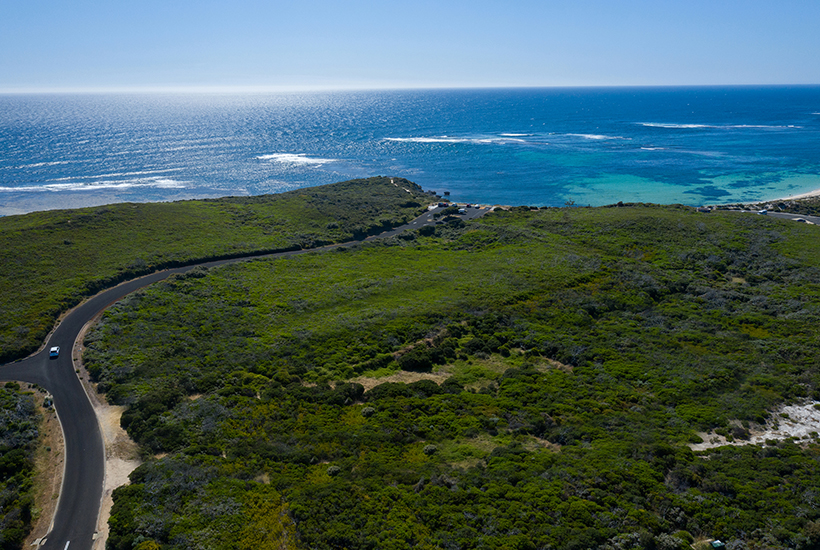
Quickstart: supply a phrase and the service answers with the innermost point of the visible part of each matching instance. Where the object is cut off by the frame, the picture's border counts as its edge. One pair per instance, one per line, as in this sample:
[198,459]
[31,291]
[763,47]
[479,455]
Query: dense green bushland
[18,436]
[50,260]
[584,347]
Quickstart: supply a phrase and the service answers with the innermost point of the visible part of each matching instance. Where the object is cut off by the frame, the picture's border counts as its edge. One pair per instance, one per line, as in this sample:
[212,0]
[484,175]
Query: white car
[54,352]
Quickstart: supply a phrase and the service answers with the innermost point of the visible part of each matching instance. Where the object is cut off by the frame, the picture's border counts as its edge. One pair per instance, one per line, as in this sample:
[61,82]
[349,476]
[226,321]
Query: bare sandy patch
[557,365]
[546,444]
[494,363]
[542,364]
[798,422]
[403,376]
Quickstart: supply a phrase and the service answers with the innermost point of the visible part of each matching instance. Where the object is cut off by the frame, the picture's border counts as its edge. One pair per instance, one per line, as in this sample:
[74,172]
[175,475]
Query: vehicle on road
[54,352]
[763,212]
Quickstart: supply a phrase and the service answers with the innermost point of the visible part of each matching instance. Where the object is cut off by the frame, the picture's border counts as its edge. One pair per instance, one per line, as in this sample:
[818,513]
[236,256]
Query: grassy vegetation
[18,436]
[582,351]
[50,261]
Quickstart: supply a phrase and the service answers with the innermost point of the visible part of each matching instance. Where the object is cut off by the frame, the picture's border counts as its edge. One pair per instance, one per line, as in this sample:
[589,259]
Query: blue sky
[308,44]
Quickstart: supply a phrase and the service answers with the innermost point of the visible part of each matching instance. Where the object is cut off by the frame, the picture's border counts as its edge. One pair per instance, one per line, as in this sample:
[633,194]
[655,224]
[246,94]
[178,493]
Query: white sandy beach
[815,193]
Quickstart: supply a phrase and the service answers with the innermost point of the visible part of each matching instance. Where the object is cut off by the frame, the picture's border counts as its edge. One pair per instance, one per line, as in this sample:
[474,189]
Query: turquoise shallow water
[515,146]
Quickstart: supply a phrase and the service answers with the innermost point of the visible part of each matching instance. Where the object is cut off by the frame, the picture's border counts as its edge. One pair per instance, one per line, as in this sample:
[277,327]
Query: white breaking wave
[448,139]
[653,148]
[124,174]
[596,136]
[41,164]
[294,158]
[117,174]
[505,138]
[758,126]
[191,147]
[717,126]
[156,183]
[675,126]
[443,139]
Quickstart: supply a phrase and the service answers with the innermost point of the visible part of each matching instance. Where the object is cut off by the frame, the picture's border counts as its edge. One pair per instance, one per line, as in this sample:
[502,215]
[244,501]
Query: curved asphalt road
[78,509]
[787,216]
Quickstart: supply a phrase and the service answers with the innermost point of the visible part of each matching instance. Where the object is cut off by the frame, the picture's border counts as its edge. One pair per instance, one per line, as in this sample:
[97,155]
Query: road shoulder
[49,459]
[121,453]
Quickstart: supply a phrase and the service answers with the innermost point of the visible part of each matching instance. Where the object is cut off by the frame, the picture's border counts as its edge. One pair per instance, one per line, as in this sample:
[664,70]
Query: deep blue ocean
[592,146]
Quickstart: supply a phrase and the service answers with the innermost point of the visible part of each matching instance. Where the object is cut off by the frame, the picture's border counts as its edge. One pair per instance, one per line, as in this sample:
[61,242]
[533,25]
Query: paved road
[430,219]
[79,506]
[786,216]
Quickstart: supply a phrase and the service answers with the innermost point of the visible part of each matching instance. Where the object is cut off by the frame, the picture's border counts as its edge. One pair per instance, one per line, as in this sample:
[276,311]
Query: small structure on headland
[707,544]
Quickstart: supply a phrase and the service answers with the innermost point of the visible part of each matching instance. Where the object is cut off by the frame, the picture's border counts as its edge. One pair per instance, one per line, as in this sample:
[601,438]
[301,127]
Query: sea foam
[137,173]
[41,164]
[674,126]
[294,158]
[157,183]
[448,139]
[597,137]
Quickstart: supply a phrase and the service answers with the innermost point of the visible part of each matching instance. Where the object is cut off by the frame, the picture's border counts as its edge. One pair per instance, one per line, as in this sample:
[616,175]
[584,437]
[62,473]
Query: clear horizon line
[207,89]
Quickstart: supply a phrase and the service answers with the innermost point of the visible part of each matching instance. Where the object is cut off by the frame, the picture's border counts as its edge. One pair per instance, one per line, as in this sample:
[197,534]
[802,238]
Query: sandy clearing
[801,422]
[402,376]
